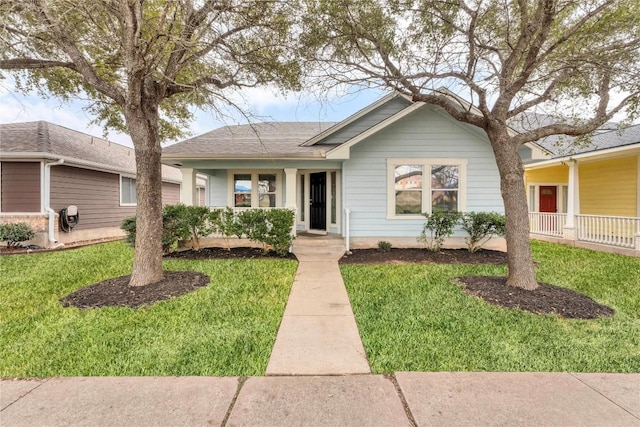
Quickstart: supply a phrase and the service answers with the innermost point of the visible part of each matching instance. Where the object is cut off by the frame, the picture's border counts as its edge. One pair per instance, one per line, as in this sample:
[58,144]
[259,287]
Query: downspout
[47,198]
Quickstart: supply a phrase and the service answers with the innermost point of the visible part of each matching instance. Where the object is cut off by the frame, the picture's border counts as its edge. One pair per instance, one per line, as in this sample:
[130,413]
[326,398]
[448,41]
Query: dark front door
[318,202]
[548,198]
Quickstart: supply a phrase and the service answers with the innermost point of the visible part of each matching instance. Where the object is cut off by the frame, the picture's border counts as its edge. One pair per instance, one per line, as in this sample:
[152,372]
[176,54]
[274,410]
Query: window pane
[267,201]
[333,197]
[444,177]
[444,201]
[242,190]
[128,190]
[243,200]
[242,183]
[408,177]
[303,200]
[266,190]
[266,183]
[408,189]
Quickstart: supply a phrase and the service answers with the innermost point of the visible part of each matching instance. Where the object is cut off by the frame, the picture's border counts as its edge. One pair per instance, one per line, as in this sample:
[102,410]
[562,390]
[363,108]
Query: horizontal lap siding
[550,175]
[423,134]
[96,194]
[609,187]
[170,193]
[20,187]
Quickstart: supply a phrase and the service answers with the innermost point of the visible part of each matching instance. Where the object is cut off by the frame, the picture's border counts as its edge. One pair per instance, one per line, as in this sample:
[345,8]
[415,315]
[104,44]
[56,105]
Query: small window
[127,191]
[267,190]
[334,210]
[303,199]
[444,188]
[242,190]
[408,189]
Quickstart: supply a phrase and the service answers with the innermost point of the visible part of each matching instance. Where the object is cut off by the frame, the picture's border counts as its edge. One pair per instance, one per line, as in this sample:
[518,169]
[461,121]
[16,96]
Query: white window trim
[254,187]
[120,189]
[426,164]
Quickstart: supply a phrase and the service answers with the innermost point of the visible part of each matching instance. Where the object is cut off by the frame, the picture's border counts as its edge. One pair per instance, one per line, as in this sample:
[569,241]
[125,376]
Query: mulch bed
[222,253]
[423,256]
[546,299]
[117,293]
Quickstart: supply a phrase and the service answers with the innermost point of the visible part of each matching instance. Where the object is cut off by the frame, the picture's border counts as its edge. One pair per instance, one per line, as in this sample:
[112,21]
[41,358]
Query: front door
[548,204]
[318,201]
[548,198]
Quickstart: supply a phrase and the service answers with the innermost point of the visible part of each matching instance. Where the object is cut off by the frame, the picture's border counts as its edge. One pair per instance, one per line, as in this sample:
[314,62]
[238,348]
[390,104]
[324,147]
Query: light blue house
[368,177]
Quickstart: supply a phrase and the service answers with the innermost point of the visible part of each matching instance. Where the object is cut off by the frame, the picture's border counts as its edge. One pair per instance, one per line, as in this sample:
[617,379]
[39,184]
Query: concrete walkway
[318,334]
[404,399]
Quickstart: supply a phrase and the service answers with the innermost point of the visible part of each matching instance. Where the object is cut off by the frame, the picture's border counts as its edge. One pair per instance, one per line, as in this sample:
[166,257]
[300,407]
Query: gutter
[47,198]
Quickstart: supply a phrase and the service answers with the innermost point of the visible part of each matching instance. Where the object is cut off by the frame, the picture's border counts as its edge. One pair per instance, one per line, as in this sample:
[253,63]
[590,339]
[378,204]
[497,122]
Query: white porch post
[573,202]
[291,175]
[188,187]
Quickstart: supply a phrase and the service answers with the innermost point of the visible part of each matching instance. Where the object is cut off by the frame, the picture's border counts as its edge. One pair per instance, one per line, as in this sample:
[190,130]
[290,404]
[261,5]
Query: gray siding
[96,194]
[374,117]
[170,193]
[426,133]
[20,186]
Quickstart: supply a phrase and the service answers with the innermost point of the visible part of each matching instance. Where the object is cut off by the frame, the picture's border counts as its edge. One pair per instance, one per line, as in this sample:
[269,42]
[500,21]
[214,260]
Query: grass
[412,318]
[227,328]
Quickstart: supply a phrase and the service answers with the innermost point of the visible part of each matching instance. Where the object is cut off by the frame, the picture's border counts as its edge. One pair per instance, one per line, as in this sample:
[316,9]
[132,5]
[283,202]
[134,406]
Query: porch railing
[608,230]
[547,224]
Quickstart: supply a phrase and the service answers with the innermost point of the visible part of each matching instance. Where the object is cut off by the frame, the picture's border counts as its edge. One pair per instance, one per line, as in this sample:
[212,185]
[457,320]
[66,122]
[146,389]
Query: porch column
[291,175]
[573,202]
[188,187]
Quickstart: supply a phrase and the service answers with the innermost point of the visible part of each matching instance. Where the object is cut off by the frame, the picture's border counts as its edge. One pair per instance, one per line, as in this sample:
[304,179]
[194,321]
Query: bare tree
[573,58]
[144,64]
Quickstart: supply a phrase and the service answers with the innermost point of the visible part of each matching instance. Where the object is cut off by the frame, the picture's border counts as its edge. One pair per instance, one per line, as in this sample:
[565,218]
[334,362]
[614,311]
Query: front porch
[313,193]
[600,232]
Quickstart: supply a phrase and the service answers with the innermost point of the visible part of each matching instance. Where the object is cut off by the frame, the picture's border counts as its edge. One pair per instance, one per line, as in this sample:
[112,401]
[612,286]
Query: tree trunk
[520,262]
[143,127]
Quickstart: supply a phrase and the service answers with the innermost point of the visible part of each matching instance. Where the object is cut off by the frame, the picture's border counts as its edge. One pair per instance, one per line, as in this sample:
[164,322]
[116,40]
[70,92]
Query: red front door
[548,198]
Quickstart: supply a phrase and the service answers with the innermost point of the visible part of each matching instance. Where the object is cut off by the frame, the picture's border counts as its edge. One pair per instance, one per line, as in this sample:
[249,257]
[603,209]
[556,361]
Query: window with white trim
[255,189]
[417,186]
[127,191]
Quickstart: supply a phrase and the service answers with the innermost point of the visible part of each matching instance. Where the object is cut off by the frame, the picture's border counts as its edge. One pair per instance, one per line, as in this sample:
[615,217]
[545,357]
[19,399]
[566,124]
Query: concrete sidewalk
[407,398]
[318,334]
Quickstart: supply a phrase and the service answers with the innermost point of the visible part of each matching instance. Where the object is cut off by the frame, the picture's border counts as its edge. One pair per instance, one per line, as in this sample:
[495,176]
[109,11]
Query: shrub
[13,234]
[384,246]
[481,227]
[200,221]
[174,229]
[440,224]
[278,235]
[271,227]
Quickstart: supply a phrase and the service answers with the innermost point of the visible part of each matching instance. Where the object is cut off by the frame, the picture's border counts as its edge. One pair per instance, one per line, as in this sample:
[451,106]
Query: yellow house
[588,193]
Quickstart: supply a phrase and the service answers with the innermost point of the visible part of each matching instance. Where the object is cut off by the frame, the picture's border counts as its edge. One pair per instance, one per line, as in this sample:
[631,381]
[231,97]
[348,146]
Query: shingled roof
[32,140]
[260,140]
[562,146]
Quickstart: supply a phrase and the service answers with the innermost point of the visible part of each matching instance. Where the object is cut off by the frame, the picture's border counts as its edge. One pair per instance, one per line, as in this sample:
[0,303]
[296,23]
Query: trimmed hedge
[271,227]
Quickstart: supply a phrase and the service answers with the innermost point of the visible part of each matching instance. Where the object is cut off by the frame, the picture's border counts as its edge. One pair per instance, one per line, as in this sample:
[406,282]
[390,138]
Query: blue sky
[265,104]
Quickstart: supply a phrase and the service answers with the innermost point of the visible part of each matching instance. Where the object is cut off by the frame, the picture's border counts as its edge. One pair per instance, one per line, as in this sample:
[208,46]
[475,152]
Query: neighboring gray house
[367,178]
[45,168]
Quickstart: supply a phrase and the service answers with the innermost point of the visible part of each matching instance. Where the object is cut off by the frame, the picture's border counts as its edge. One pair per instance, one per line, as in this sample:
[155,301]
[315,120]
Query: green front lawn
[227,328]
[412,318]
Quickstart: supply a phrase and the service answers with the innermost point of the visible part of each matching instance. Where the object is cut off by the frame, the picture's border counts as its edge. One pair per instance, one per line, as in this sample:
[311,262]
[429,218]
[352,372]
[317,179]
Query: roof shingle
[48,138]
